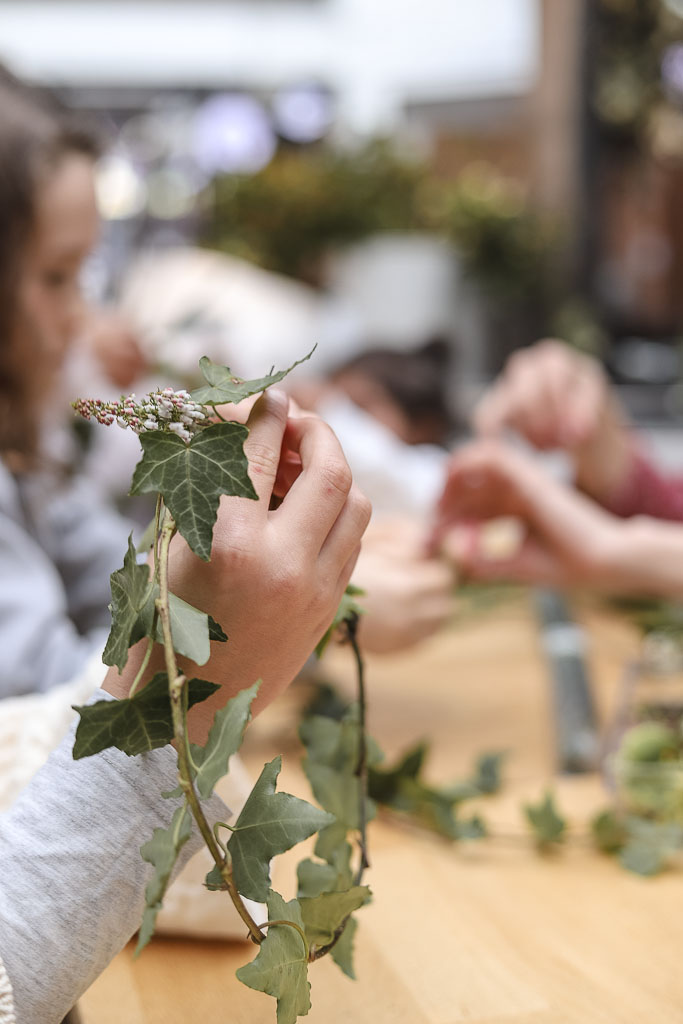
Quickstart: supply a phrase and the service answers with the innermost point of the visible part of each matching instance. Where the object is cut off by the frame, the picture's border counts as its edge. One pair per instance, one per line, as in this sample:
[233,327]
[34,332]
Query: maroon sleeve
[648,492]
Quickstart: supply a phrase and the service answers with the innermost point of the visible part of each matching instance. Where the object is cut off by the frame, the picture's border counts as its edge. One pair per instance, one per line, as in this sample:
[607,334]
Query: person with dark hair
[407,391]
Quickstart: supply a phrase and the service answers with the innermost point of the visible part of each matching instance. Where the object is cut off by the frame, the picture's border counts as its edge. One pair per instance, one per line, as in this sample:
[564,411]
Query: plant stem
[178,694]
[291,924]
[148,654]
[351,624]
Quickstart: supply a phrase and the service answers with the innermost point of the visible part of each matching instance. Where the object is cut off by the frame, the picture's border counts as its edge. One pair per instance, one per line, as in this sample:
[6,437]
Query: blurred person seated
[390,410]
[558,398]
[565,539]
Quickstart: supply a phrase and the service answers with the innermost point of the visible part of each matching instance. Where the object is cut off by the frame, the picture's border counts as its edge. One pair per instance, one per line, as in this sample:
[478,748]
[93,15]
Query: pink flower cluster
[165,409]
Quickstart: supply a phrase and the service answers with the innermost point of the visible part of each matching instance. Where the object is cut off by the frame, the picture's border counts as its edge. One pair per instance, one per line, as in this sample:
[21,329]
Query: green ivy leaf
[189,627]
[216,632]
[331,842]
[281,967]
[333,876]
[315,877]
[384,783]
[192,477]
[609,831]
[323,914]
[136,724]
[223,386]
[130,589]
[225,739]
[546,824]
[342,951]
[269,824]
[162,852]
[348,606]
[214,879]
[649,845]
[487,771]
[330,766]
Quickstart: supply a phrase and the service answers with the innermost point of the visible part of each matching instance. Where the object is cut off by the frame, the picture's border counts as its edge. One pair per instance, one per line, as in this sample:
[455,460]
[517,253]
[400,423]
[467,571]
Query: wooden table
[486,932]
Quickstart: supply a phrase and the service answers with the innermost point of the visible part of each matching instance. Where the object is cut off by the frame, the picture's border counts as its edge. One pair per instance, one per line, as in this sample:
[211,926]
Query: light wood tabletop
[488,932]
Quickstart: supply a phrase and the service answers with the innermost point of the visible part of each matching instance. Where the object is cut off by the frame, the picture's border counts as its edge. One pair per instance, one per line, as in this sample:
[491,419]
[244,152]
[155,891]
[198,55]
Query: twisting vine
[178,433]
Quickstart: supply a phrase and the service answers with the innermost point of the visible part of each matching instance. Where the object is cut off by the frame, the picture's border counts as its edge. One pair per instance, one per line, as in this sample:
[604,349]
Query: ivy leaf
[342,951]
[385,783]
[269,824]
[216,631]
[323,914]
[330,766]
[281,966]
[330,843]
[315,877]
[136,724]
[130,589]
[189,627]
[348,606]
[649,845]
[487,772]
[162,851]
[192,477]
[333,876]
[546,824]
[225,739]
[609,831]
[223,386]
[146,542]
[214,879]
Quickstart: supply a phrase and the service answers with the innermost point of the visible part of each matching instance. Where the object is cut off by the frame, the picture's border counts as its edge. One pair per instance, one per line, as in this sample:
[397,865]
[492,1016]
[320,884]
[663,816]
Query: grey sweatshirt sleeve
[72,880]
[40,644]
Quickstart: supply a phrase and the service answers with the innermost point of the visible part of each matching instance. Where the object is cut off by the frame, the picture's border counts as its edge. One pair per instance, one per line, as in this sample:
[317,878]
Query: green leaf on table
[130,589]
[609,831]
[224,740]
[136,724]
[649,845]
[192,477]
[223,386]
[323,914]
[162,852]
[487,771]
[348,606]
[342,951]
[281,967]
[546,824]
[269,824]
[384,783]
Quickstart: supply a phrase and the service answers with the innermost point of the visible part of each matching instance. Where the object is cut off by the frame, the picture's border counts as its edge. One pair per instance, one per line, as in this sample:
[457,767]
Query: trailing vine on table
[191,457]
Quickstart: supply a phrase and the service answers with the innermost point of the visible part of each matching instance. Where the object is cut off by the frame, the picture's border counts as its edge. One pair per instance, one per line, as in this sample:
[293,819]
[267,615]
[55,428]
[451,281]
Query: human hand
[408,595]
[276,576]
[115,346]
[556,397]
[565,540]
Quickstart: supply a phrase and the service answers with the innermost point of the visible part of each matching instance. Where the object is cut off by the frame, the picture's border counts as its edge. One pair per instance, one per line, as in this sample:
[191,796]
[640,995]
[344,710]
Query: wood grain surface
[487,932]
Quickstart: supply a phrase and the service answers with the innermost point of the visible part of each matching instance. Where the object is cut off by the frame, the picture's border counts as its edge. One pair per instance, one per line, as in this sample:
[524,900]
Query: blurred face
[64,232]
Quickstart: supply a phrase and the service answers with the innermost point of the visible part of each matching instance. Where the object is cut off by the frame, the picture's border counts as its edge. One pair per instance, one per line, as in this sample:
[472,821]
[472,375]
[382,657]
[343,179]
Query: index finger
[318,495]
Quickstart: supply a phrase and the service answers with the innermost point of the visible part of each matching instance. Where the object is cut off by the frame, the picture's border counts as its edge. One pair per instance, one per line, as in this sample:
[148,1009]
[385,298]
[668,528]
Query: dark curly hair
[36,133]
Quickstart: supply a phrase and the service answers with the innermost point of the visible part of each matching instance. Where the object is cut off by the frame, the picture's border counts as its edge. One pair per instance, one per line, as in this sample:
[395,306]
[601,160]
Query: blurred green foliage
[305,203]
